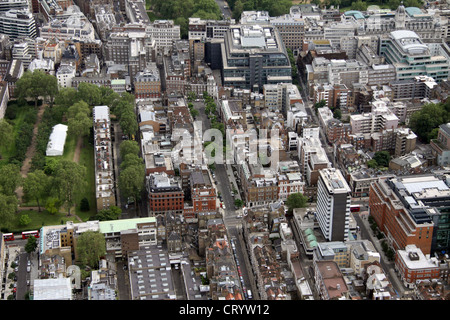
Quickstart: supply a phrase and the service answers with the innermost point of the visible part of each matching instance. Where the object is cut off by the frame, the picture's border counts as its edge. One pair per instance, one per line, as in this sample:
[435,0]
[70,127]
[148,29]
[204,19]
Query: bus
[27,234]
[355,208]
[8,236]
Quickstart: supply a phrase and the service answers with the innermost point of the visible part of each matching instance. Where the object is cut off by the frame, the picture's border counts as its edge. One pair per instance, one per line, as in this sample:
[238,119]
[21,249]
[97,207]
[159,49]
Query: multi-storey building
[412,210]
[65,74]
[208,29]
[165,194]
[292,31]
[18,23]
[164,32]
[73,26]
[333,205]
[147,83]
[203,193]
[254,55]
[347,72]
[6,5]
[104,174]
[412,266]
[381,118]
[177,68]
[411,57]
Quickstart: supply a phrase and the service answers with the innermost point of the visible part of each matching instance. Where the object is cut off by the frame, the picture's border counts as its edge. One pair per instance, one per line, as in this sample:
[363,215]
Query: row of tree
[275,8]
[132,171]
[181,10]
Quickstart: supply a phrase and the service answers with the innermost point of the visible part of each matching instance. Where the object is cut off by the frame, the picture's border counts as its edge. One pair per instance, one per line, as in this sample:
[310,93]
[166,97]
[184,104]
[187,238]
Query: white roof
[52,289]
[57,140]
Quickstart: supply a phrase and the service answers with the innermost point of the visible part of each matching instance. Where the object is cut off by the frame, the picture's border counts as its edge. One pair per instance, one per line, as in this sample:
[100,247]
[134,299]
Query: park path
[31,151]
[76,155]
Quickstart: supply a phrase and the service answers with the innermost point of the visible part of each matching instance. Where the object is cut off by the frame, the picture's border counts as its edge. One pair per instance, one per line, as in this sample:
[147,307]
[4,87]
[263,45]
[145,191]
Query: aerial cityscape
[229,151]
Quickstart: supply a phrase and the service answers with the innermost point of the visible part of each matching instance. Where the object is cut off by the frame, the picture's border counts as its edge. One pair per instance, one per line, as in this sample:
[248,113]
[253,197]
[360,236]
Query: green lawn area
[40,219]
[87,160]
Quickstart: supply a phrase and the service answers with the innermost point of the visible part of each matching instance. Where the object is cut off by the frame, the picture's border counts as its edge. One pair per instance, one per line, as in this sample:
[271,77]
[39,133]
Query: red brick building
[165,194]
[413,266]
[401,227]
[203,193]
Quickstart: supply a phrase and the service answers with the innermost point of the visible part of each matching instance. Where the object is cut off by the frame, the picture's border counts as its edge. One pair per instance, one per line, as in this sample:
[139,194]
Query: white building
[65,74]
[381,118]
[333,205]
[18,23]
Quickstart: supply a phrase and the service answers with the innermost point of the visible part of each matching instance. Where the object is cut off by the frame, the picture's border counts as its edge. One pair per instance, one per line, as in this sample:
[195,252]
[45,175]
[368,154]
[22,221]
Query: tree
[80,125]
[90,93]
[36,185]
[79,120]
[337,114]
[194,113]
[320,104]
[8,207]
[50,86]
[129,160]
[52,205]
[66,97]
[132,181]
[112,213]
[296,200]
[372,163]
[91,246]
[30,86]
[69,181]
[382,158]
[31,245]
[24,220]
[6,133]
[10,178]
[238,203]
[127,147]
[430,117]
[128,123]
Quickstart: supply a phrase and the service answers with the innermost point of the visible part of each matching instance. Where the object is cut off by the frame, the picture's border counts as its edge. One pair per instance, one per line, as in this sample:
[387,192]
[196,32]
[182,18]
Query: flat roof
[124,224]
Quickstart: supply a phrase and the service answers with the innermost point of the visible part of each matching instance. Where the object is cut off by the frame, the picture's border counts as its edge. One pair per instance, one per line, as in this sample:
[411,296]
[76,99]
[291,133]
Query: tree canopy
[430,117]
[91,246]
[296,200]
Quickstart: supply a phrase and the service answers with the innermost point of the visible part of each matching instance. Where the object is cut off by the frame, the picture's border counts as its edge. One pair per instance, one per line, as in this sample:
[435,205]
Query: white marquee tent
[55,146]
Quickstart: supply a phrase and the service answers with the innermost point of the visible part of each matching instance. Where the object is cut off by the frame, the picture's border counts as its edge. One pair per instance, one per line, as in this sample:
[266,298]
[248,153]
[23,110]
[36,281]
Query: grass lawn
[40,219]
[87,160]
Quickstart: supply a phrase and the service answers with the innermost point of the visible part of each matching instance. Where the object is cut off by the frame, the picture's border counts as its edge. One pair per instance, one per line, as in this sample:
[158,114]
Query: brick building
[165,194]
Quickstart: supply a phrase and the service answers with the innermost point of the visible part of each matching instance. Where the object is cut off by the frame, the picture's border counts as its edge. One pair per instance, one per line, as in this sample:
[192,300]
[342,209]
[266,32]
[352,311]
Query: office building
[333,204]
[17,23]
[253,56]
[412,210]
[411,57]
